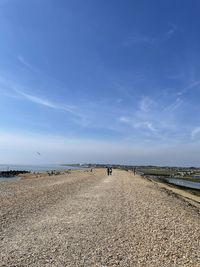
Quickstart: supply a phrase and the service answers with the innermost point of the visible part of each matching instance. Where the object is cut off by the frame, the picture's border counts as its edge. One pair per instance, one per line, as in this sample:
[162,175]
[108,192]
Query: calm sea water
[9,179]
[32,168]
[184,183]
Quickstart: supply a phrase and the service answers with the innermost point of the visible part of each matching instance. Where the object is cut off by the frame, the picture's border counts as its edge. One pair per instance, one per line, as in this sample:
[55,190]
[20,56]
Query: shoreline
[185,194]
[35,175]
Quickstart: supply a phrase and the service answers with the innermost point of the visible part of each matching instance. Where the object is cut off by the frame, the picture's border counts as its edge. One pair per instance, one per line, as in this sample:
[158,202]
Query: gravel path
[89,219]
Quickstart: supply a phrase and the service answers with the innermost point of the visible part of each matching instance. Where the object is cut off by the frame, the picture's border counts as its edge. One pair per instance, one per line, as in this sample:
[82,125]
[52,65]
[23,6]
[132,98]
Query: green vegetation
[184,174]
[158,172]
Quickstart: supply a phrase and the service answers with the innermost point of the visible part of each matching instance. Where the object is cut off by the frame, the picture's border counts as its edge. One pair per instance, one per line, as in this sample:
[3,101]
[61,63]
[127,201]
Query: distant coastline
[72,165]
[37,168]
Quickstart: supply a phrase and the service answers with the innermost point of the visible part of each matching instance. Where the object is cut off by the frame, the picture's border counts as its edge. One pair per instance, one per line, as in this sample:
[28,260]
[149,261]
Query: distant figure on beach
[110,170]
[134,171]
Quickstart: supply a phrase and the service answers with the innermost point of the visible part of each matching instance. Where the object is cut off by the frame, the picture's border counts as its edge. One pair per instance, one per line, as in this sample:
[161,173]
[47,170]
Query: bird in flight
[38,153]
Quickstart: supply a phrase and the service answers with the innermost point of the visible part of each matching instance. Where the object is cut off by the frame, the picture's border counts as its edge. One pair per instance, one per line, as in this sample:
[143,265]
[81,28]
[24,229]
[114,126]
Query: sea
[184,183]
[32,168]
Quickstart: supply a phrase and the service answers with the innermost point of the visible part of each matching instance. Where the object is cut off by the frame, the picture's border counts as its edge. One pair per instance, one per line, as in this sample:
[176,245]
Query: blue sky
[100,81]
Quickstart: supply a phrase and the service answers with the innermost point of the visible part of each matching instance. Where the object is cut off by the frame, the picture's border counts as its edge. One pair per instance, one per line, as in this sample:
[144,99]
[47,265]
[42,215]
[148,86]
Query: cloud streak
[12,89]
[27,64]
[175,105]
[46,103]
[87,114]
[195,133]
[36,99]
[187,88]
[144,39]
[156,118]
[146,104]
[144,125]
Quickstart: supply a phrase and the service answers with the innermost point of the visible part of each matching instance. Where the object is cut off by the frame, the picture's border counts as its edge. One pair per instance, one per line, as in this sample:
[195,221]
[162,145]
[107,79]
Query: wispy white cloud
[150,116]
[125,120]
[195,133]
[170,33]
[156,118]
[27,64]
[149,40]
[145,125]
[173,106]
[12,89]
[141,118]
[146,104]
[84,115]
[192,85]
[36,99]
[87,114]
[46,102]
